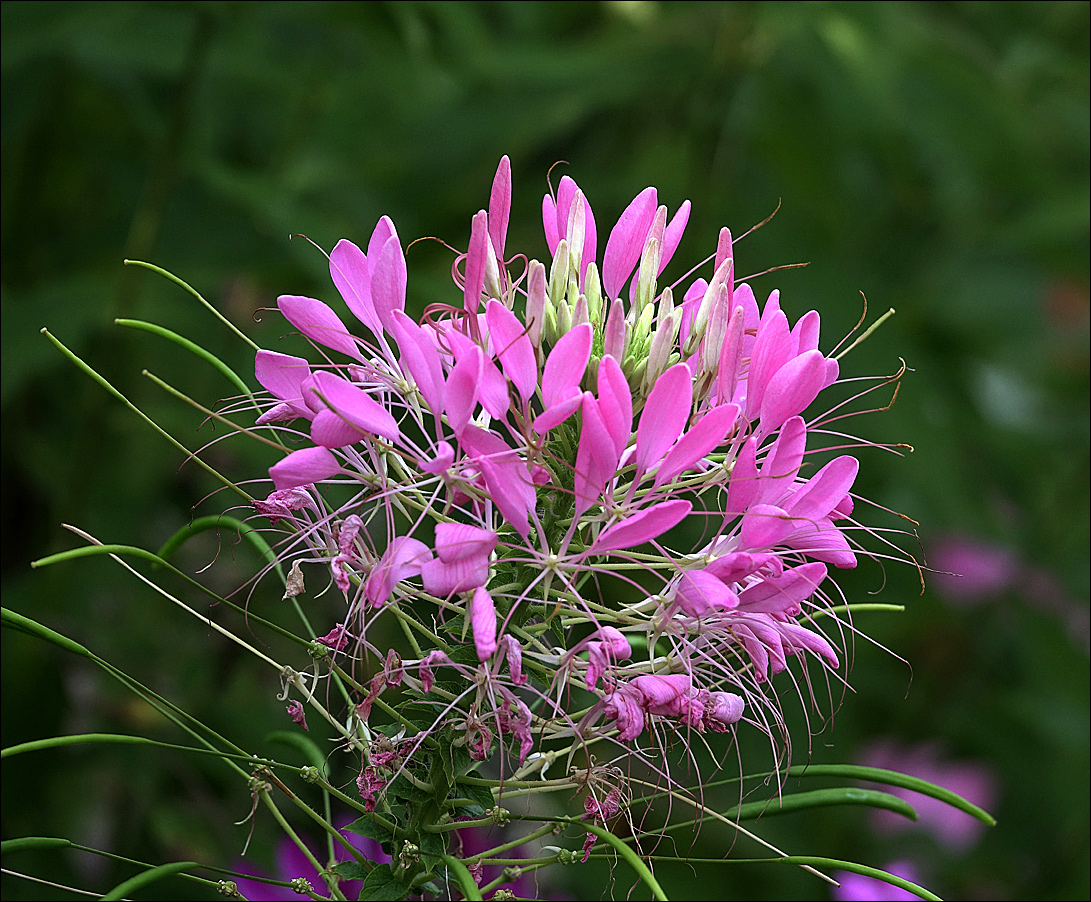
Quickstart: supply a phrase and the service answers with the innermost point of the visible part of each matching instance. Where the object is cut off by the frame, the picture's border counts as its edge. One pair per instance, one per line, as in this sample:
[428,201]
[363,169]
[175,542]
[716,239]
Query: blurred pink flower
[858,888]
[953,828]
[289,863]
[969,570]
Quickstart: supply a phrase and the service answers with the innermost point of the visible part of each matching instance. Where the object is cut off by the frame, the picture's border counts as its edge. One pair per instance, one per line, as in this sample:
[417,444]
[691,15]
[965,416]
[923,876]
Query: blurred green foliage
[932,155]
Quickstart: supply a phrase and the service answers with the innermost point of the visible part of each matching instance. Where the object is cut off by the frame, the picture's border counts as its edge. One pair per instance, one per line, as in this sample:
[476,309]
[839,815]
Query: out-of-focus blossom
[967,569]
[858,888]
[289,862]
[953,828]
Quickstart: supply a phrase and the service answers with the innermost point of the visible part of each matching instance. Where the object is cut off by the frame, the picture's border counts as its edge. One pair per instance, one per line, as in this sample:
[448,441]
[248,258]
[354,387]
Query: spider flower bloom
[549,426]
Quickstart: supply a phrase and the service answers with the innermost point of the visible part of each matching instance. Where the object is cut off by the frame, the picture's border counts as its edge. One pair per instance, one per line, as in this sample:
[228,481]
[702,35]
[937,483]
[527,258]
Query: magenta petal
[331,430]
[319,323]
[764,526]
[351,274]
[549,223]
[558,413]
[642,526]
[825,490]
[664,416]
[566,364]
[460,390]
[663,694]
[356,406]
[303,467]
[744,485]
[708,434]
[615,403]
[673,235]
[388,281]
[792,389]
[824,542]
[773,348]
[420,358]
[513,347]
[783,460]
[783,594]
[444,580]
[698,592]
[280,413]
[737,565]
[384,230]
[805,332]
[597,458]
[404,557]
[483,623]
[283,375]
[500,206]
[626,241]
[455,541]
[476,258]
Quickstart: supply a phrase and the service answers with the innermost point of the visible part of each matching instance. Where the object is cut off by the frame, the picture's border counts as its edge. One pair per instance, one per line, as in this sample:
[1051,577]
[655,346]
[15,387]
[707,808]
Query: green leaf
[382,884]
[369,827]
[351,870]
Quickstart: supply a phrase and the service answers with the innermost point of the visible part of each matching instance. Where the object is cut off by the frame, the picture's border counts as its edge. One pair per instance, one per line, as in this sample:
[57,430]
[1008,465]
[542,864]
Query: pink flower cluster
[503,464]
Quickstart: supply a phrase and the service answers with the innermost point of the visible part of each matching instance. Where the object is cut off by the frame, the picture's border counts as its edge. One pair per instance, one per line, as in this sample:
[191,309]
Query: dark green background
[931,155]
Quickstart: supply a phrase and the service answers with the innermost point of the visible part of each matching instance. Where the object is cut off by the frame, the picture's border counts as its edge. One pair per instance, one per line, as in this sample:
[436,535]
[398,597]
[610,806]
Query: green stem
[102,381]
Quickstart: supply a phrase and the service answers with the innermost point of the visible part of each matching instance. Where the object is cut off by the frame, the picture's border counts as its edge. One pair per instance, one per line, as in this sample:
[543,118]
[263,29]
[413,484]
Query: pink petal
[483,623]
[709,433]
[404,557]
[283,375]
[455,541]
[773,348]
[549,223]
[303,467]
[825,490]
[626,242]
[443,580]
[792,389]
[331,430]
[596,459]
[699,592]
[615,403]
[475,262]
[557,414]
[673,235]
[384,230]
[744,485]
[513,347]
[420,358]
[642,526]
[664,416]
[356,406]
[319,323]
[783,460]
[500,206]
[461,389]
[764,526]
[351,274]
[388,281]
[783,594]
[566,364]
